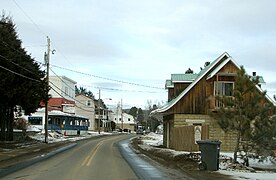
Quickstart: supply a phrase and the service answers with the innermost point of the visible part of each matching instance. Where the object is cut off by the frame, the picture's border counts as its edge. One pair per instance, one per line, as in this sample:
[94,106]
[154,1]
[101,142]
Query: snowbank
[153,139]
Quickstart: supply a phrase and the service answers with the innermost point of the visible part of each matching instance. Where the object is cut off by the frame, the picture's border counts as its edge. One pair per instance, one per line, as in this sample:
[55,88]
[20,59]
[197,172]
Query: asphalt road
[91,159]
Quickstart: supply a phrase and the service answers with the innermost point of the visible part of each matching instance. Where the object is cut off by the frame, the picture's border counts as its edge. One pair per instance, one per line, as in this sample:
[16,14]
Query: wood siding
[178,88]
[185,140]
[200,98]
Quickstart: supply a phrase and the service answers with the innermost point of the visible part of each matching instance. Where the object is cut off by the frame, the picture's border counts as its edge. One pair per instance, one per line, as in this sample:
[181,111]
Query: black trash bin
[209,154]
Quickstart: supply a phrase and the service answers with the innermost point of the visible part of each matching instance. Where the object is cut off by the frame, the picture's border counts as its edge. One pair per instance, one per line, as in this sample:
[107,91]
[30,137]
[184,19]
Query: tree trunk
[10,117]
[237,147]
[6,123]
[2,124]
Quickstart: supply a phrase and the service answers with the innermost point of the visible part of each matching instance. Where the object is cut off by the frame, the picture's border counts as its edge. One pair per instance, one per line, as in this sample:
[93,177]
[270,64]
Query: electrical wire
[114,89]
[109,79]
[91,75]
[17,64]
[70,97]
[29,18]
[11,71]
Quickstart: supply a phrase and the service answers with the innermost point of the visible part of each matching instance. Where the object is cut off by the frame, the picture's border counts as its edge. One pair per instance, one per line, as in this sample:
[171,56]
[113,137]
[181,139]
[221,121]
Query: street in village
[137,90]
[103,157]
[109,156]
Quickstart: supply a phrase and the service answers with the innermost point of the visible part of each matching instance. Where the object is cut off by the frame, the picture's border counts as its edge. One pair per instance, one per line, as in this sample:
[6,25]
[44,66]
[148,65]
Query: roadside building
[123,120]
[85,106]
[191,97]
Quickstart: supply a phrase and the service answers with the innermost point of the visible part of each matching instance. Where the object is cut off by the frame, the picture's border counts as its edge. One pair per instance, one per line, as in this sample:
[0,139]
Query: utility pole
[47,62]
[99,106]
[122,118]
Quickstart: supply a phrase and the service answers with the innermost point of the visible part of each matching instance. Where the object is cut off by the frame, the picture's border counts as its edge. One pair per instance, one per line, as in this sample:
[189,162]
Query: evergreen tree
[247,114]
[189,71]
[22,81]
[84,91]
[133,111]
[140,115]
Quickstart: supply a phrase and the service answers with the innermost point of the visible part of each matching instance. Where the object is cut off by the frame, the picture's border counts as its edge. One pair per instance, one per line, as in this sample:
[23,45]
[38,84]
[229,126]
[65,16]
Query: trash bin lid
[209,141]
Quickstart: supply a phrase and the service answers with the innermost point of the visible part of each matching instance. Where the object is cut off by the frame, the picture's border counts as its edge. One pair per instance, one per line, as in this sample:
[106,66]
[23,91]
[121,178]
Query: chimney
[254,73]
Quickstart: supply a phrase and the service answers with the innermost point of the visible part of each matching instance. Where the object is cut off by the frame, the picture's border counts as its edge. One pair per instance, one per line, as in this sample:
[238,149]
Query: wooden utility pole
[47,62]
[122,118]
[99,106]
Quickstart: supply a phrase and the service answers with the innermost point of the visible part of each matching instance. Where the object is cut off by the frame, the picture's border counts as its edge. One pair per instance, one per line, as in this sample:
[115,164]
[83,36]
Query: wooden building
[191,97]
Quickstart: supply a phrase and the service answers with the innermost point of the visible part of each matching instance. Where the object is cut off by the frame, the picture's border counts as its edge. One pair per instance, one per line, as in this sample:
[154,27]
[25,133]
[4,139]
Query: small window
[88,103]
[128,119]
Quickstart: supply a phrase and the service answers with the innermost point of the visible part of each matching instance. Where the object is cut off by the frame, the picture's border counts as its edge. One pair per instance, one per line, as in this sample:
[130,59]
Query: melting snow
[153,139]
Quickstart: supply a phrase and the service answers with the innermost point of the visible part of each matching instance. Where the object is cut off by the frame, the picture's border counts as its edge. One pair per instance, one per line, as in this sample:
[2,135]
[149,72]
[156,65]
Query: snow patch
[151,141]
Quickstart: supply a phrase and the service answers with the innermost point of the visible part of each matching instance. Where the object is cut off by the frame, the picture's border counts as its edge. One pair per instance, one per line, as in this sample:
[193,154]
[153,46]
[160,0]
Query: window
[128,119]
[66,90]
[224,88]
[88,103]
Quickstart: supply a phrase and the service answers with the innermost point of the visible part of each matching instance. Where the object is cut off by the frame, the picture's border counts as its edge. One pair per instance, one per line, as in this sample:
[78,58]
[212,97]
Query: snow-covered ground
[153,139]
[56,137]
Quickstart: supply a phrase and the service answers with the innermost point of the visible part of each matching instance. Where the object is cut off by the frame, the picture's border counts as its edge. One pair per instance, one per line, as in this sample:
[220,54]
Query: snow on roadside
[153,139]
[56,137]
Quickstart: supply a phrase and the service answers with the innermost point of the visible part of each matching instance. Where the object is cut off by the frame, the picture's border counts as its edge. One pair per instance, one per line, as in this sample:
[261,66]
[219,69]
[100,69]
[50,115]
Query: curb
[22,165]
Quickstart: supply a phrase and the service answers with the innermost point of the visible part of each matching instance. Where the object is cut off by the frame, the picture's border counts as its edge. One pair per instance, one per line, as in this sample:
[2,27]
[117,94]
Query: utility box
[210,150]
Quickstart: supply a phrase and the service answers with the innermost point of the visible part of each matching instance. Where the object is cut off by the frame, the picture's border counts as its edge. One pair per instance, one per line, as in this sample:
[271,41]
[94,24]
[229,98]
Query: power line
[109,79]
[114,89]
[17,64]
[111,89]
[11,71]
[29,17]
[19,52]
[69,96]
[99,87]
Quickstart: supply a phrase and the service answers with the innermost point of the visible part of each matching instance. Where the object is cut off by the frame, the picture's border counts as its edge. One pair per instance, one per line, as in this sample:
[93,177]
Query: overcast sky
[145,41]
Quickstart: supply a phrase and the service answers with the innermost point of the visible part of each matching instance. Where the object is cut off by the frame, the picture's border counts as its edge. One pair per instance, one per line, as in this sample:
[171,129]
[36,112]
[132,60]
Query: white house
[85,106]
[128,120]
[62,86]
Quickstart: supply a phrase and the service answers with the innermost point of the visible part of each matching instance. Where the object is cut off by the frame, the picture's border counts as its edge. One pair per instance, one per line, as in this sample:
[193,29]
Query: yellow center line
[93,154]
[87,161]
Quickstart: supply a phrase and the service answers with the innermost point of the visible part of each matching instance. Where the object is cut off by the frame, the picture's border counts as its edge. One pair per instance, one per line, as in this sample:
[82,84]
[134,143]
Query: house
[123,120]
[191,97]
[62,109]
[62,86]
[61,104]
[85,106]
[102,119]
[62,94]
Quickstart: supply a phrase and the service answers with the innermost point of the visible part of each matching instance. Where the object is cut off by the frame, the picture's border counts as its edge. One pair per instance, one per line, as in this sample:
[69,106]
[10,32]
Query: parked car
[140,131]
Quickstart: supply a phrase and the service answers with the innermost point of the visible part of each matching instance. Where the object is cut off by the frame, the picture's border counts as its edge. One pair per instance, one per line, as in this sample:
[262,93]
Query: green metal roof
[169,84]
[183,77]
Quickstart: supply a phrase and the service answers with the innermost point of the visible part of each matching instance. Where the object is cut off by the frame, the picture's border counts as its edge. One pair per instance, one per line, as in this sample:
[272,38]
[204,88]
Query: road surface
[106,157]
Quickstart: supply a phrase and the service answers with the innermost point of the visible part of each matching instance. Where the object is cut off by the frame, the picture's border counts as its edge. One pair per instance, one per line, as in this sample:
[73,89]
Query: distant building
[123,120]
[85,106]
[102,119]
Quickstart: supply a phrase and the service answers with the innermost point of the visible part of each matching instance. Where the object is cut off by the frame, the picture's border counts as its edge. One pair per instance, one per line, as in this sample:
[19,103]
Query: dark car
[139,131]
